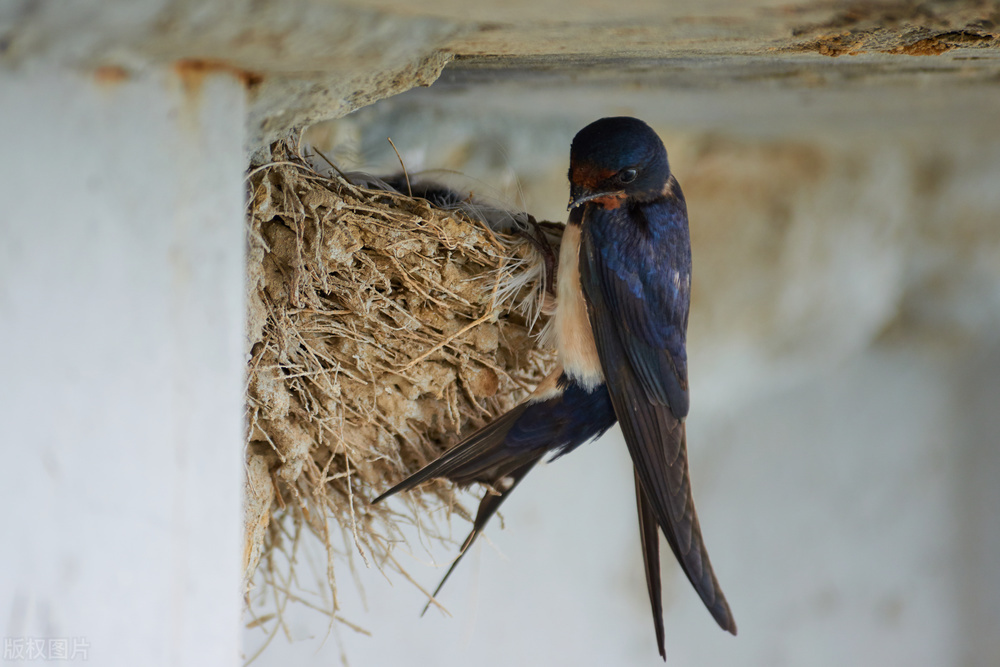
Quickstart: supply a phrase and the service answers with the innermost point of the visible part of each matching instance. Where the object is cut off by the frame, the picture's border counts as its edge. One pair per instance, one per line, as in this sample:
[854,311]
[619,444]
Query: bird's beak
[578,195]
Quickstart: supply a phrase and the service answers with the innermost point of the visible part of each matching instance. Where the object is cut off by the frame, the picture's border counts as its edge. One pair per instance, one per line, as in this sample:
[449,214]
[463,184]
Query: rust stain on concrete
[111,75]
[192,73]
[903,28]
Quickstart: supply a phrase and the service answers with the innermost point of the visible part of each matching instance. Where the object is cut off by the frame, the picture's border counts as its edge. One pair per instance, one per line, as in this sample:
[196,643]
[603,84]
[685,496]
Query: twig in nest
[409,190]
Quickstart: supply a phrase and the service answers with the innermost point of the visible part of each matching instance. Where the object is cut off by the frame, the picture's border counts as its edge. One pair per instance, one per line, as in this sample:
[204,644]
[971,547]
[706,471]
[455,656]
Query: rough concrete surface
[310,60]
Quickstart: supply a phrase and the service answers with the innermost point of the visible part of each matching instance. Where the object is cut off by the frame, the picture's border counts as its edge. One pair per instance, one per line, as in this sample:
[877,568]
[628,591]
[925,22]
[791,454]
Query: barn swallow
[634,258]
[623,292]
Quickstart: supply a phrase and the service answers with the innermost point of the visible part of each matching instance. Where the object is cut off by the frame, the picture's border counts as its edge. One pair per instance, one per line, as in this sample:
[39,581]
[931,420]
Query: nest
[380,327]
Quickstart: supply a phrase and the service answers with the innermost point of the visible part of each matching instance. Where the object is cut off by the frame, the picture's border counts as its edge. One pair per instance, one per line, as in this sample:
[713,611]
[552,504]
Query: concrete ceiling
[309,60]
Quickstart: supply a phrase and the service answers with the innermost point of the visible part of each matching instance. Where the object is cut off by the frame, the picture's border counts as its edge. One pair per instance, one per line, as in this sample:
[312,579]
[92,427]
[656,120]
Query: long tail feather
[487,508]
[651,560]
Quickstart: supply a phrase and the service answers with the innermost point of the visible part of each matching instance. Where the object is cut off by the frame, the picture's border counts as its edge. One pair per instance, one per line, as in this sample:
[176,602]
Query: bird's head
[617,159]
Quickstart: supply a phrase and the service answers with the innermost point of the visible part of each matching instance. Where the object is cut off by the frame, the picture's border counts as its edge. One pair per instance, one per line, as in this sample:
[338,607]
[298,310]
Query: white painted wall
[121,391]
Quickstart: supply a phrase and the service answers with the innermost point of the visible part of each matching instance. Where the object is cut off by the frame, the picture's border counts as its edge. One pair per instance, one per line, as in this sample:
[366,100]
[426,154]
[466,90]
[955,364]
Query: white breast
[574,337]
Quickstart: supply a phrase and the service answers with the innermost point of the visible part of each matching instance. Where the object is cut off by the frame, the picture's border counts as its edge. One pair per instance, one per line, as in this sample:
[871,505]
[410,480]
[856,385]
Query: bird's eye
[627,175]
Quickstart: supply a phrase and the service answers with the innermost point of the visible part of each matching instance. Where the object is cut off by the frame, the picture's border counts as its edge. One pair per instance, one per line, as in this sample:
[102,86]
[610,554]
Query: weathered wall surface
[309,60]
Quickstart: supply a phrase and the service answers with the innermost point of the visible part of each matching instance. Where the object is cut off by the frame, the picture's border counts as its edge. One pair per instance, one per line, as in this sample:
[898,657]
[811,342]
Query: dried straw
[379,329]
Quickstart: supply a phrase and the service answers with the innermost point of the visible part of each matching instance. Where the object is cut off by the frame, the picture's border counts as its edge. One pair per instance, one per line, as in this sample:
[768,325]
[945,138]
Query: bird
[635,276]
[620,326]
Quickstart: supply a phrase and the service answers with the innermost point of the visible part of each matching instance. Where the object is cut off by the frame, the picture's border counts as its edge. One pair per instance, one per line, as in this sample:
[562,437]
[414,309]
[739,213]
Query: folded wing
[638,313]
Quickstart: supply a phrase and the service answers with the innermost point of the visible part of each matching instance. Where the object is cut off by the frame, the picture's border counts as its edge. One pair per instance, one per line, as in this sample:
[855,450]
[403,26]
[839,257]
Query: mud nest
[380,327]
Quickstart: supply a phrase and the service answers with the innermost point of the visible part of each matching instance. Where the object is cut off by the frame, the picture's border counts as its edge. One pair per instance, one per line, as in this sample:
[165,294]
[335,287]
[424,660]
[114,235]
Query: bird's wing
[558,417]
[635,314]
[482,457]
[488,506]
[644,276]
[485,457]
